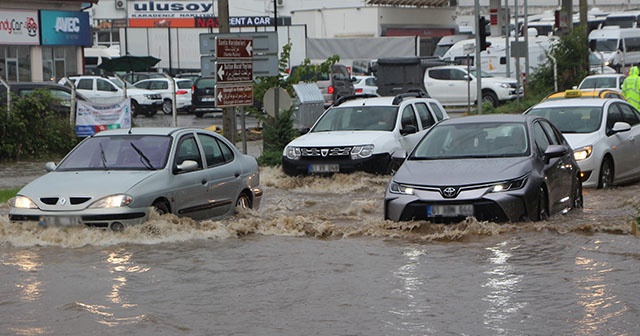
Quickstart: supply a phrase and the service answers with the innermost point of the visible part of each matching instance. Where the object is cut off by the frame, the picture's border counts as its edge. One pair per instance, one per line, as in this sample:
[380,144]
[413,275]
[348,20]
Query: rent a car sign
[19,27]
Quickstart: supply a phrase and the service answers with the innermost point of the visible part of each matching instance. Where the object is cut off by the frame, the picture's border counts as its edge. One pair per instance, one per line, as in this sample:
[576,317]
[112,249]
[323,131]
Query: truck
[395,75]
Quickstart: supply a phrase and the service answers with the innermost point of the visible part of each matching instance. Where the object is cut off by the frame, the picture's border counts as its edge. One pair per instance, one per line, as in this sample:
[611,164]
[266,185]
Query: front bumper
[102,218]
[376,164]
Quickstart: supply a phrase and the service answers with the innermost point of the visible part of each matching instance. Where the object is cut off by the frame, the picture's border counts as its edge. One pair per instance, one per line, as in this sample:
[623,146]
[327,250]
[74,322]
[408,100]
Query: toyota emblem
[449,192]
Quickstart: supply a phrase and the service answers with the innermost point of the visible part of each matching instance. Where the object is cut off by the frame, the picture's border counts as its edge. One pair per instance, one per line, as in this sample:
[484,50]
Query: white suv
[163,86]
[361,133]
[110,89]
[453,85]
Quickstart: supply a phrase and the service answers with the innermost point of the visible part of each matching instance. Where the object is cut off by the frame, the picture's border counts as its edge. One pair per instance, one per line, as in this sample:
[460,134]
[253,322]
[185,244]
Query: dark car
[492,167]
[338,83]
[61,93]
[203,98]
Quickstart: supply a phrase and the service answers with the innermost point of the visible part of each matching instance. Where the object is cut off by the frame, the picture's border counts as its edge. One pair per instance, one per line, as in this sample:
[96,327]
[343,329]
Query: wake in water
[336,207]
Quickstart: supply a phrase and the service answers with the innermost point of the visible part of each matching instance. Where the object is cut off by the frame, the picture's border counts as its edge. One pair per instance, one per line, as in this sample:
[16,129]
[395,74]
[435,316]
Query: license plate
[453,210]
[324,168]
[61,221]
[208,99]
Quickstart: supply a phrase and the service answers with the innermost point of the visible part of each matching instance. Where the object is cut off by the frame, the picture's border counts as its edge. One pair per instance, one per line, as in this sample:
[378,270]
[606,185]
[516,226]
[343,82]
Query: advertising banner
[65,28]
[19,27]
[92,118]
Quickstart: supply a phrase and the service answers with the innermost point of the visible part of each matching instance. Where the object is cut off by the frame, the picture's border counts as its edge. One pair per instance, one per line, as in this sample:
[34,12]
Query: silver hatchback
[115,177]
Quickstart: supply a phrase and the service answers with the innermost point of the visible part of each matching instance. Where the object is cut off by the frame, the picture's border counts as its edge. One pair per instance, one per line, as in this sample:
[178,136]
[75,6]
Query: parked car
[113,178]
[598,93]
[332,85]
[361,133]
[189,75]
[61,94]
[163,86]
[492,167]
[101,89]
[604,81]
[133,77]
[603,134]
[203,98]
[454,85]
[365,85]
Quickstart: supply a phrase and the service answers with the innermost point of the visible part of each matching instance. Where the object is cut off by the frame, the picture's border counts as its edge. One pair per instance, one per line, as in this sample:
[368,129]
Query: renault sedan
[602,133]
[491,167]
[114,178]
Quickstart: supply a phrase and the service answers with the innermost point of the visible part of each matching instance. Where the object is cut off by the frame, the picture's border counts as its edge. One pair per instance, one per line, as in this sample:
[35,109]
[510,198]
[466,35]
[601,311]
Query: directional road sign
[234,71]
[234,95]
[234,48]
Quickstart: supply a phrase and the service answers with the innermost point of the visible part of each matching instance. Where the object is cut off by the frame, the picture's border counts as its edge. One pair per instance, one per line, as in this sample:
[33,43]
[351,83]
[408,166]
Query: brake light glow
[330,89]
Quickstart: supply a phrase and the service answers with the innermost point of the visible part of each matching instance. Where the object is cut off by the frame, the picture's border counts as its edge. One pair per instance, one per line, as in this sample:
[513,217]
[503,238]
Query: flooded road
[317,259]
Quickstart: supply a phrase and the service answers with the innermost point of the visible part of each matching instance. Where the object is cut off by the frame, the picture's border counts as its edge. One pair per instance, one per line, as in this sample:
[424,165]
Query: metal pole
[477,60]
[518,74]
[507,33]
[468,85]
[526,45]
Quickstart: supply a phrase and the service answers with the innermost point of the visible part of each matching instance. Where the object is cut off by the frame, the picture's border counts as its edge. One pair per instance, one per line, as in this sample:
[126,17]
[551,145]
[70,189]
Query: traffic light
[482,30]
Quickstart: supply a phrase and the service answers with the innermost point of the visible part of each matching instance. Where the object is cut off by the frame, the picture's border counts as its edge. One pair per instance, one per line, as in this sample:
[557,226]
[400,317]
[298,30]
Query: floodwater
[318,259]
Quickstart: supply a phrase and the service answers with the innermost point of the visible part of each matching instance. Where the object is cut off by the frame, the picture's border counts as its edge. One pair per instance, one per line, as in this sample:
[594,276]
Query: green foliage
[276,134]
[34,129]
[6,194]
[571,53]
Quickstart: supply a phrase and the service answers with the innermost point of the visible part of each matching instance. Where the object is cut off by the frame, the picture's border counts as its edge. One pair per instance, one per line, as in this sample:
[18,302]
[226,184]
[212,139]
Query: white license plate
[324,168]
[61,221]
[208,99]
[450,210]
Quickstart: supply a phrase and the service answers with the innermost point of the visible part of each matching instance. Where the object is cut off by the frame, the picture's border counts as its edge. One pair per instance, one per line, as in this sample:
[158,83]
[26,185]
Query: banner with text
[92,118]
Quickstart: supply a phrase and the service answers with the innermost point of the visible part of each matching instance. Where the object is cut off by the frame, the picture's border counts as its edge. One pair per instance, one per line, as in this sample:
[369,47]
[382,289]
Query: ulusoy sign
[234,48]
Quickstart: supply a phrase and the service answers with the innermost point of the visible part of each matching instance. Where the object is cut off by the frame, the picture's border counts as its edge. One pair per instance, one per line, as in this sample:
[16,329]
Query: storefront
[41,44]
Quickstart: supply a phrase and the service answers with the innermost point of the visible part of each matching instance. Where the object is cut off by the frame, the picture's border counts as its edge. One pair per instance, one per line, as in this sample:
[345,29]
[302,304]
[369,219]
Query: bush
[276,134]
[33,129]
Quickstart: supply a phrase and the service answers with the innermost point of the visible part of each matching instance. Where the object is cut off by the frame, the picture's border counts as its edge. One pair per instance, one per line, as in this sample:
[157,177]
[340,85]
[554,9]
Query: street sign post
[234,95]
[234,72]
[234,48]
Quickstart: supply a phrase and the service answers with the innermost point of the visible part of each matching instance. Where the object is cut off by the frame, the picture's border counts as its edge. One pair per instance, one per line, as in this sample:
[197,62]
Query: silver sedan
[114,178]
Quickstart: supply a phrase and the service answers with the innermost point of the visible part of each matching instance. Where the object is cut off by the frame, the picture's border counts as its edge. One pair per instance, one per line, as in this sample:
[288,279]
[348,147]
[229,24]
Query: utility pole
[228,114]
[584,28]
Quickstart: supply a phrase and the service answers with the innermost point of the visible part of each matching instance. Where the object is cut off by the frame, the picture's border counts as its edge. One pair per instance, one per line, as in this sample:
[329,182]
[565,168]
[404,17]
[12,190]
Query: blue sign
[65,28]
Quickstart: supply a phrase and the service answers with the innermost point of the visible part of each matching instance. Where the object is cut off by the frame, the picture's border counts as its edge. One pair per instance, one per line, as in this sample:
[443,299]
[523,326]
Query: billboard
[65,28]
[19,27]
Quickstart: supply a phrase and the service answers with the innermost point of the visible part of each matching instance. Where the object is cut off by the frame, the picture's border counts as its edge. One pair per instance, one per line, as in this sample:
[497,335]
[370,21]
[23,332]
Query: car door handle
[204,181]
[236,174]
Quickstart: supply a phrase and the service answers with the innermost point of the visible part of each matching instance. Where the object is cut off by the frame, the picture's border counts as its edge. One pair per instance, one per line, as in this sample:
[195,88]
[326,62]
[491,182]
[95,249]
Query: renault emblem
[449,192]
[63,201]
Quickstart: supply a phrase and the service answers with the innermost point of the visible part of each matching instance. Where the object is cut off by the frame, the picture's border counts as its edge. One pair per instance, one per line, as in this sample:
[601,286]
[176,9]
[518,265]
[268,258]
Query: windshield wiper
[103,157]
[145,160]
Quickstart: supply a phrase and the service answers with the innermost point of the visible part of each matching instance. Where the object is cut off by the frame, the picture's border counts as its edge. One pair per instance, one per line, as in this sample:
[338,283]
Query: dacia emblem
[324,151]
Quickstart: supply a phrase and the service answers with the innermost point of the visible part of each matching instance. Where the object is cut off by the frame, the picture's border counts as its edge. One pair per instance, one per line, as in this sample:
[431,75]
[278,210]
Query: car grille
[72,200]
[325,151]
[155,96]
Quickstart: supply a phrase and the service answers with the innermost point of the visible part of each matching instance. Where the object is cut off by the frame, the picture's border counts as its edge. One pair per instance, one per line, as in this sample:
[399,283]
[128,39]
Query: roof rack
[353,97]
[410,94]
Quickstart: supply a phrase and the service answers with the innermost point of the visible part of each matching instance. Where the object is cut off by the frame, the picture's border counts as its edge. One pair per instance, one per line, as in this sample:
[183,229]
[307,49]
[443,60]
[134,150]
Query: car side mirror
[554,151]
[399,155]
[304,130]
[408,129]
[50,166]
[620,126]
[187,166]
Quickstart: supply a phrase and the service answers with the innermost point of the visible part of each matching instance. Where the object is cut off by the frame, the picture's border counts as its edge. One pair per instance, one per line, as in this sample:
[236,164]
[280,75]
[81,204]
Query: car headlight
[582,153]
[509,185]
[293,153]
[22,202]
[397,188]
[361,152]
[505,85]
[113,201]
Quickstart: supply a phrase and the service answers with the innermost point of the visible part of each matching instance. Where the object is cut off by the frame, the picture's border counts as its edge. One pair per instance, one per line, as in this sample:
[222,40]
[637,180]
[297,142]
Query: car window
[184,84]
[188,150]
[554,137]
[571,119]
[205,83]
[437,110]
[85,84]
[442,74]
[613,116]
[370,81]
[628,114]
[350,118]
[159,85]
[104,85]
[409,117]
[457,74]
[540,136]
[425,116]
[142,85]
[213,150]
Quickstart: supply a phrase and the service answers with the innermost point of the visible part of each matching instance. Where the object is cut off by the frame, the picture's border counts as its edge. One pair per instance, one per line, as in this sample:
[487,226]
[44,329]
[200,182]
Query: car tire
[135,108]
[167,106]
[150,111]
[543,206]
[578,198]
[605,178]
[161,207]
[490,97]
[392,167]
[244,202]
[198,114]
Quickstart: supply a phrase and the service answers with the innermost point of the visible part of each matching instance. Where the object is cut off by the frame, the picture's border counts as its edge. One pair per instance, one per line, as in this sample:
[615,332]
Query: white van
[446,42]
[626,19]
[616,47]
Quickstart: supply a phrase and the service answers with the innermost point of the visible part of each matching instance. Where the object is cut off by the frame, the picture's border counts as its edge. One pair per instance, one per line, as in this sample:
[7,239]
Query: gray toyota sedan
[113,178]
[492,167]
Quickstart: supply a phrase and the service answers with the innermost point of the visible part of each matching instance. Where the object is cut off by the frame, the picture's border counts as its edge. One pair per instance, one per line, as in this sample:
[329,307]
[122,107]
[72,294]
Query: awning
[411,3]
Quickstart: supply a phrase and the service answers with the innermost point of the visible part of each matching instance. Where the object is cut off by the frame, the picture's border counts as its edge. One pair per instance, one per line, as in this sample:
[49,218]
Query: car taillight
[181,92]
[330,89]
[358,90]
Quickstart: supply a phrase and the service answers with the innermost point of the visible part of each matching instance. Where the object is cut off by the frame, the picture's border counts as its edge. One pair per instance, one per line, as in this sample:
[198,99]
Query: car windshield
[121,84]
[118,152]
[598,83]
[572,119]
[358,118]
[474,140]
[484,74]
[606,45]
